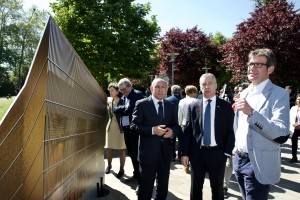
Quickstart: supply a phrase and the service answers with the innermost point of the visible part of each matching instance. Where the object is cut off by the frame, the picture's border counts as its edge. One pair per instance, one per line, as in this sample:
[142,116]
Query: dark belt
[242,154]
[209,148]
[126,126]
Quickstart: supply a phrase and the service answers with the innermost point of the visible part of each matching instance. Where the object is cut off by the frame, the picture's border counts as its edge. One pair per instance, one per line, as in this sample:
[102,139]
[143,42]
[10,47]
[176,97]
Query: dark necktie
[160,111]
[207,123]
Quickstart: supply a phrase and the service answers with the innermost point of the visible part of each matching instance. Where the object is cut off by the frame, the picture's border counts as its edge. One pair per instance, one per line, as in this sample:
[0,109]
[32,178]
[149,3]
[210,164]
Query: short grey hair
[176,89]
[159,79]
[208,75]
[125,81]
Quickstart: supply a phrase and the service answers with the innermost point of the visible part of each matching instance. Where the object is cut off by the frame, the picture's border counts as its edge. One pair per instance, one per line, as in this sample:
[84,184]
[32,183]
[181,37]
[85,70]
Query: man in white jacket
[191,94]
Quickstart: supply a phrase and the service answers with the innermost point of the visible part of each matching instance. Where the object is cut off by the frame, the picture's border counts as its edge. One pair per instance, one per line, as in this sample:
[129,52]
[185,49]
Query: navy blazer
[145,117]
[224,134]
[133,97]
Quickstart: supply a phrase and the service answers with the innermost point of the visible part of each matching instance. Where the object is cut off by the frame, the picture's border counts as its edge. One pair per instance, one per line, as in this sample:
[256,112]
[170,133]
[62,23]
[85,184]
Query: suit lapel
[199,111]
[264,95]
[152,109]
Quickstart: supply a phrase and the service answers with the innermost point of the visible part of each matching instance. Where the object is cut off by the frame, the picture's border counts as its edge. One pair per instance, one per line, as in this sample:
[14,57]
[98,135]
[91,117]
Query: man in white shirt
[261,124]
[191,94]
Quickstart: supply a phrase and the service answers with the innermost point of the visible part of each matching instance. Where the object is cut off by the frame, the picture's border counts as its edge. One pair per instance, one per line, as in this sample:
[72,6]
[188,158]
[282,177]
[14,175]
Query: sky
[210,16]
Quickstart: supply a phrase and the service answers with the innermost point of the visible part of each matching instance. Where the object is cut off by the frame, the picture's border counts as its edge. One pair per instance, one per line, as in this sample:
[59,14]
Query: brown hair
[116,87]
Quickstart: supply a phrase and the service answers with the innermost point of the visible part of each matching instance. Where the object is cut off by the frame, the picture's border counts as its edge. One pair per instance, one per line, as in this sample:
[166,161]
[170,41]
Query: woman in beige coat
[114,136]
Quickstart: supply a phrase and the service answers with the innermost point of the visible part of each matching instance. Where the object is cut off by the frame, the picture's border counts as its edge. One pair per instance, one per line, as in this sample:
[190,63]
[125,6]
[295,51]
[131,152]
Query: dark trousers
[159,170]
[131,141]
[174,147]
[295,143]
[250,188]
[211,161]
[179,148]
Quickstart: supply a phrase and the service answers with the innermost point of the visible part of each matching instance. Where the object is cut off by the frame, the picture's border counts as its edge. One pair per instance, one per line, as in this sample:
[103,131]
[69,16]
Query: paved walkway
[179,185]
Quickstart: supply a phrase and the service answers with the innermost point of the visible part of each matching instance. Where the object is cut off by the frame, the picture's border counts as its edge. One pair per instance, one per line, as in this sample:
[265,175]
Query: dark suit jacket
[224,134]
[122,110]
[145,117]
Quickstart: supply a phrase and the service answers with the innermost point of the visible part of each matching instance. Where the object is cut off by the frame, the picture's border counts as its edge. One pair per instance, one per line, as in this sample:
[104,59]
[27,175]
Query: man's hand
[168,133]
[160,130]
[185,161]
[297,126]
[243,105]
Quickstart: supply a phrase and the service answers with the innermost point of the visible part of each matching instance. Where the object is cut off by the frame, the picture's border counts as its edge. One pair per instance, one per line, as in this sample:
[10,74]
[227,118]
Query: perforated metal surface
[52,138]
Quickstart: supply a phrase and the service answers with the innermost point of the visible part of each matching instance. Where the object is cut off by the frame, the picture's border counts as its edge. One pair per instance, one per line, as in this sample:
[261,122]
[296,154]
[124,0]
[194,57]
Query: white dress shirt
[125,119]
[252,98]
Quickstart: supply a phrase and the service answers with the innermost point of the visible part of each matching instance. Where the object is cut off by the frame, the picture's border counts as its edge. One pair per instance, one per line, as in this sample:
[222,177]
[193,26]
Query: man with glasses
[130,96]
[261,124]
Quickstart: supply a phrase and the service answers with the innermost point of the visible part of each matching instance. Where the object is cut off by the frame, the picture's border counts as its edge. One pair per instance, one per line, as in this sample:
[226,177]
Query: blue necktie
[207,130]
[160,111]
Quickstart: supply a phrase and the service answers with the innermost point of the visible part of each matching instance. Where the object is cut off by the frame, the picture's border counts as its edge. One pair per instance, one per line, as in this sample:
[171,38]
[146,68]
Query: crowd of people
[218,132]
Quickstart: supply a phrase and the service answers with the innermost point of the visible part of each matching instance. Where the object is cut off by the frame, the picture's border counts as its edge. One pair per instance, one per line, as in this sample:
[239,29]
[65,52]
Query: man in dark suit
[155,120]
[208,139]
[175,98]
[124,111]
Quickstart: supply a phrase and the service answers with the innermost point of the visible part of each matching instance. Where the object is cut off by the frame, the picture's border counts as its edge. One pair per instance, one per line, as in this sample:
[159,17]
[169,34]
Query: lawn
[4,105]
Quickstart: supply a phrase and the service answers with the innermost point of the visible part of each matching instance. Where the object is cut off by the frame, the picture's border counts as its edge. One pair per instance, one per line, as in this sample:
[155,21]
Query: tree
[19,35]
[113,37]
[24,37]
[275,26]
[9,14]
[260,3]
[6,86]
[196,53]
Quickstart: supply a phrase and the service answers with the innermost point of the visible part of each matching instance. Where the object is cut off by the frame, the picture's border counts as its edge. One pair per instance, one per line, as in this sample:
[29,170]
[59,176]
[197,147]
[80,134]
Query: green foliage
[113,37]
[275,26]
[19,35]
[6,86]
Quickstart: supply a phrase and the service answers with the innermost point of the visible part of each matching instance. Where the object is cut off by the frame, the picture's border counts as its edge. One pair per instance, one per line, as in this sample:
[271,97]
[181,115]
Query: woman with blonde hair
[114,136]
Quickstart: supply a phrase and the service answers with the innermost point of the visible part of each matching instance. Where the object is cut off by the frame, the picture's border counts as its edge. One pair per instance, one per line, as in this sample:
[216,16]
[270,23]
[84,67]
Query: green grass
[4,105]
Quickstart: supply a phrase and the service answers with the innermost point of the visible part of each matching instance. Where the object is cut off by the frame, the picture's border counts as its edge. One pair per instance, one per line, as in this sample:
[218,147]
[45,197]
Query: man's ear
[151,88]
[271,69]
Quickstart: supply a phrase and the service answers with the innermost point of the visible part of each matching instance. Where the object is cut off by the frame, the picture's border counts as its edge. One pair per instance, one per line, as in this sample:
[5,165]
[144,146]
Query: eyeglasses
[257,65]
[123,89]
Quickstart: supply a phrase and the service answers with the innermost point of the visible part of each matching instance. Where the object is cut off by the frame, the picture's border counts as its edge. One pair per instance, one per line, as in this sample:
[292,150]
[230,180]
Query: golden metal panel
[52,138]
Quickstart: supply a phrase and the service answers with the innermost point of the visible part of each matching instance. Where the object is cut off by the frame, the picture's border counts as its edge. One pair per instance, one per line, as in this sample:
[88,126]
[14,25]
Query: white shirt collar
[259,88]
[155,100]
[213,98]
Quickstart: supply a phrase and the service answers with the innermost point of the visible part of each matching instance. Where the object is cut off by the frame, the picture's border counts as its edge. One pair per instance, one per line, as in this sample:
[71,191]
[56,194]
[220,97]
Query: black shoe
[293,160]
[225,190]
[121,173]
[107,171]
[132,180]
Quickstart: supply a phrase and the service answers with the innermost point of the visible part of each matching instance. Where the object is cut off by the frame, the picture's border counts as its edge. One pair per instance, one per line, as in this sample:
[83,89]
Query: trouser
[250,188]
[295,143]
[131,141]
[213,162]
[228,172]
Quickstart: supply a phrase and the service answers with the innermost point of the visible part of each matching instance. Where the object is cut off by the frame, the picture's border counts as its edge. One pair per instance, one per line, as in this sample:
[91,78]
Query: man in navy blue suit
[208,139]
[154,119]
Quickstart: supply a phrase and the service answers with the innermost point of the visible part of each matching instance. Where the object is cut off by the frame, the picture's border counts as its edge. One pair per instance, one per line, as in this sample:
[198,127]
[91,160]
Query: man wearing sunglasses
[261,124]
